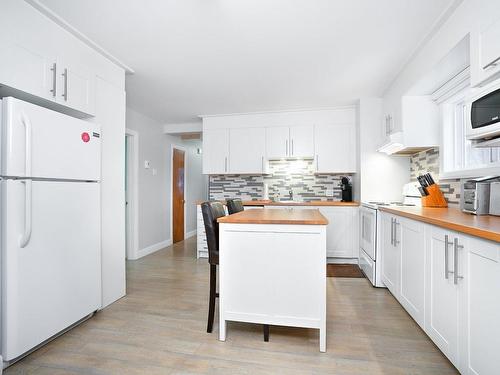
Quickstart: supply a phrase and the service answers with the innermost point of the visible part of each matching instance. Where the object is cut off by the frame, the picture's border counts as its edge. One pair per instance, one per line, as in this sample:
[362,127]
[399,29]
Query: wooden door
[178,195]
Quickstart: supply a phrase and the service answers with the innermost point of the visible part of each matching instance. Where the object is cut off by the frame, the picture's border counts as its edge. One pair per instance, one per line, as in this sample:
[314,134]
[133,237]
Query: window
[459,157]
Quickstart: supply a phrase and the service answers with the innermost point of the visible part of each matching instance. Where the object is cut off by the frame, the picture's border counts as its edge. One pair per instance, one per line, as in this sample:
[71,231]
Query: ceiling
[194,57]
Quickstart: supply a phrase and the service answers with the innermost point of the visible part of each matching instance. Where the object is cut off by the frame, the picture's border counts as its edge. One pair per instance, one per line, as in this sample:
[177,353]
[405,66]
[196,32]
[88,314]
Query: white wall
[154,189]
[381,176]
[465,18]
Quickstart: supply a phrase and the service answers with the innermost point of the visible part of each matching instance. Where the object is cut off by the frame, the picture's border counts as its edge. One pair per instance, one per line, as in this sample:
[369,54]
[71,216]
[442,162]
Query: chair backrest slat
[234,205]
[211,212]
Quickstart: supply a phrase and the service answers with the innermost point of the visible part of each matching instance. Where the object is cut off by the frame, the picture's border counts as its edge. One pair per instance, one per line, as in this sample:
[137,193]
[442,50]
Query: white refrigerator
[49,224]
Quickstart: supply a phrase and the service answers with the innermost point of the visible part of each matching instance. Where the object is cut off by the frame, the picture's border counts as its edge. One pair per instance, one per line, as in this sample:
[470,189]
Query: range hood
[395,145]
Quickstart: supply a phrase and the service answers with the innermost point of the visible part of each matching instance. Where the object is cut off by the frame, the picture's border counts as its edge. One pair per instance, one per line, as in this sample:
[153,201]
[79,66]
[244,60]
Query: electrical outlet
[147,164]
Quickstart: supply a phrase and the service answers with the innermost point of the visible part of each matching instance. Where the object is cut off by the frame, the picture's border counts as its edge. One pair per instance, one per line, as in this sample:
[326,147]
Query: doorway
[178,193]
[131,189]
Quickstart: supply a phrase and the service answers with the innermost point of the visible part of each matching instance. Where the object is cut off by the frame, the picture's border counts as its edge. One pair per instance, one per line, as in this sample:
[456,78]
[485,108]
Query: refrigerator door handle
[27,125]
[25,237]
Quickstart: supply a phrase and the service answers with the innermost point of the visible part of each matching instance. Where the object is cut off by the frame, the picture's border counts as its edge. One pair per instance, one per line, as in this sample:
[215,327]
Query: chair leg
[213,294]
[266,332]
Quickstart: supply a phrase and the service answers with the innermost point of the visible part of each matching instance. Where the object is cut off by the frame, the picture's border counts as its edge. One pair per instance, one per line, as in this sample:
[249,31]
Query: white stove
[369,243]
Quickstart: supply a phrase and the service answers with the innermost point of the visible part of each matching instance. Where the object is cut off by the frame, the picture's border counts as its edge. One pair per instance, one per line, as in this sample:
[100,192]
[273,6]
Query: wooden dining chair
[211,212]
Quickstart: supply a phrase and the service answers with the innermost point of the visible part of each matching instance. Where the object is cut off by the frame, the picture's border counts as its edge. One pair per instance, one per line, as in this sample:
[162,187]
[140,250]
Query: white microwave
[484,113]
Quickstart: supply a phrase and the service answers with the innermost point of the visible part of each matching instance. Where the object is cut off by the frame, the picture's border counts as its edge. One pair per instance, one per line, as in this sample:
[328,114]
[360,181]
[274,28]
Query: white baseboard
[190,234]
[342,260]
[153,248]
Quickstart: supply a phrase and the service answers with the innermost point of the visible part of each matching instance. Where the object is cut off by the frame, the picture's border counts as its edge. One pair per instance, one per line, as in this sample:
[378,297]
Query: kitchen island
[273,269]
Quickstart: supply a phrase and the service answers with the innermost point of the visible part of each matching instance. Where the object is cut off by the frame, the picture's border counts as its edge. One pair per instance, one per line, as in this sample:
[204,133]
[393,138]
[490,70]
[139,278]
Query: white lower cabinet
[410,236]
[442,297]
[481,328]
[390,255]
[450,284]
[341,232]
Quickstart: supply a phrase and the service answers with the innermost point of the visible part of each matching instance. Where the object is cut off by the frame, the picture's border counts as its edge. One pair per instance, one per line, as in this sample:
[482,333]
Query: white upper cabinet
[302,141]
[290,142]
[76,87]
[44,65]
[335,148]
[485,52]
[215,151]
[277,142]
[28,69]
[247,150]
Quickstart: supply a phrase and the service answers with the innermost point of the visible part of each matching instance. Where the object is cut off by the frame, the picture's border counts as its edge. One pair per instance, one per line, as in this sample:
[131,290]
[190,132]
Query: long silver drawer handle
[396,232]
[447,243]
[392,231]
[456,246]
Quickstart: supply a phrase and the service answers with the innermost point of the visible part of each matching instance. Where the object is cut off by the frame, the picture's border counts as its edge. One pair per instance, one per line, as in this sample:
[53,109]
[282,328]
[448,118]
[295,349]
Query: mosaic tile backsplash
[428,162]
[284,175]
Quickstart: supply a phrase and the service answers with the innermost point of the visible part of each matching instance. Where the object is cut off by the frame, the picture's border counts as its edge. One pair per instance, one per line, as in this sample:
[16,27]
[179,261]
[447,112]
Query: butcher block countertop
[294,203]
[486,226]
[277,216]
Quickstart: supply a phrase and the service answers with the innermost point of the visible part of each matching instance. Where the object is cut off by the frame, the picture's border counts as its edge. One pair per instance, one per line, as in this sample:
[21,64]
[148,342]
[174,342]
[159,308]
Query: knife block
[435,197]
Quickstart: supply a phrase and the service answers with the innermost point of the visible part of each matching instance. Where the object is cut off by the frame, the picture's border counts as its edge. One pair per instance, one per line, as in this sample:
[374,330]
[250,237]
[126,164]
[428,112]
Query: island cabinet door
[443,291]
[481,331]
[390,254]
[412,280]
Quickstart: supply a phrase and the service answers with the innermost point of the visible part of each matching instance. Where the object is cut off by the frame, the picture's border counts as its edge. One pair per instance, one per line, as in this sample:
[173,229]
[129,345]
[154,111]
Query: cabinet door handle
[492,64]
[392,231]
[54,79]
[225,164]
[446,257]
[317,162]
[396,232]
[262,164]
[456,246]
[292,146]
[286,146]
[65,93]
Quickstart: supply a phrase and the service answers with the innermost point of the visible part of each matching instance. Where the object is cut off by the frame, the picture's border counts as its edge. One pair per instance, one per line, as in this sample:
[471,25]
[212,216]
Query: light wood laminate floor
[160,328]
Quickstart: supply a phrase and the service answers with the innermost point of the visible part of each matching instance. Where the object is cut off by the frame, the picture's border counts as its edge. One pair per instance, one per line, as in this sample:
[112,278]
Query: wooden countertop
[285,204]
[278,216]
[486,226]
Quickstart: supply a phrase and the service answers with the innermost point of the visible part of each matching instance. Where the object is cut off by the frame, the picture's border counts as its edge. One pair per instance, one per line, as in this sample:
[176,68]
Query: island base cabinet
[443,292]
[273,274]
[481,328]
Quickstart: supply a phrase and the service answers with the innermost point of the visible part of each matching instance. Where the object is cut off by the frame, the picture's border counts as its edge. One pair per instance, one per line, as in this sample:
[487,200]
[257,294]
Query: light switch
[155,172]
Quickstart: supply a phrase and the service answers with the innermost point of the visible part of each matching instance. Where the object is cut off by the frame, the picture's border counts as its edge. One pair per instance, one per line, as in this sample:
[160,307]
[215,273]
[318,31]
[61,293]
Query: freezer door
[54,280]
[37,142]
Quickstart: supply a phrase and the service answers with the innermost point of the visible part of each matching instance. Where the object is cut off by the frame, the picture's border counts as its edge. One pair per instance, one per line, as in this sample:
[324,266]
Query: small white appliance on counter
[369,243]
[50,224]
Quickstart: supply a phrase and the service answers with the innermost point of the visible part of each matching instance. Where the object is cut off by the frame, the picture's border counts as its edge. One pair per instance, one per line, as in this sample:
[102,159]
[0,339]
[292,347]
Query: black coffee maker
[346,187]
